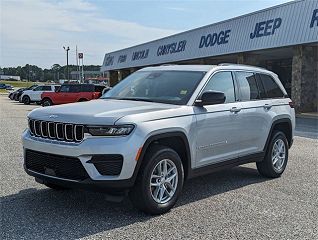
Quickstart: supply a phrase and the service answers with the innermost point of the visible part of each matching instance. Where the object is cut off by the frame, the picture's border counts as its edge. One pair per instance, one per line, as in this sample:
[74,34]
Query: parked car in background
[6,86]
[3,86]
[13,95]
[34,95]
[9,87]
[69,93]
[18,93]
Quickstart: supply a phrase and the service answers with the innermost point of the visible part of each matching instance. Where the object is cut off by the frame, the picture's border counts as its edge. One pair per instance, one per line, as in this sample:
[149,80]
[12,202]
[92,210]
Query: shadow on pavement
[49,214]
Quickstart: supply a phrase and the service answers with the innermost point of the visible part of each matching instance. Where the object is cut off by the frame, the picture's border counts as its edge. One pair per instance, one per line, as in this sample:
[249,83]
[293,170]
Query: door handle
[267,106]
[235,109]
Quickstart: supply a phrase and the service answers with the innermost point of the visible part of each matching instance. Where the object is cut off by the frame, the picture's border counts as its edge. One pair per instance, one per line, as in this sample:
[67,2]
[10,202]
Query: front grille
[55,165]
[108,164]
[56,130]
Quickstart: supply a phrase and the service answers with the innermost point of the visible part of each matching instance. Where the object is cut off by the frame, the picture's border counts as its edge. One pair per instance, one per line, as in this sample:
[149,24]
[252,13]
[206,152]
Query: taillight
[291,104]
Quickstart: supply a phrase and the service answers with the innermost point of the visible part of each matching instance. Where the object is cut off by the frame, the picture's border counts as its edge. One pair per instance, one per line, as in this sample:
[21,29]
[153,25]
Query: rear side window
[46,88]
[87,88]
[40,88]
[56,88]
[222,82]
[261,89]
[75,88]
[247,85]
[271,87]
[99,88]
[65,88]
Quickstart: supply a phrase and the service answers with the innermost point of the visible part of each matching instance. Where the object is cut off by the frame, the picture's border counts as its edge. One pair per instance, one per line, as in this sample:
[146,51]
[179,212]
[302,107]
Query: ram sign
[288,24]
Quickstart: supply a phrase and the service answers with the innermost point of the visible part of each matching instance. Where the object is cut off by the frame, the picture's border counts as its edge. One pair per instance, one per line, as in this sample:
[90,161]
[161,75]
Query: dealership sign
[288,24]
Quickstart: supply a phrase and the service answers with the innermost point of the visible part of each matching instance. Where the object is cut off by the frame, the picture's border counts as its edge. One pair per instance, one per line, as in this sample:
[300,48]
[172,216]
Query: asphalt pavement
[233,204]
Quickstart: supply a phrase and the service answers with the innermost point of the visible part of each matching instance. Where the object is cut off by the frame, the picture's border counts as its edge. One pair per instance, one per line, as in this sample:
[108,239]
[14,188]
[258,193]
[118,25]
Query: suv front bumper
[127,147]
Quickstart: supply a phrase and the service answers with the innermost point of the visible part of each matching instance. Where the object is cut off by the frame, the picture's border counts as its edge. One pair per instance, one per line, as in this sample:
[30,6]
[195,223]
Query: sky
[35,31]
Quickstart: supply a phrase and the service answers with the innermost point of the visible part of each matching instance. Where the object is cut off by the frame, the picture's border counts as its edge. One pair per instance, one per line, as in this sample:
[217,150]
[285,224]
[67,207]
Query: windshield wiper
[132,99]
[136,99]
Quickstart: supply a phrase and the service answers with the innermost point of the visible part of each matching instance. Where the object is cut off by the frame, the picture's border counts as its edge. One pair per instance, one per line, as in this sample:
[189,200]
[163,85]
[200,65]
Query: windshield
[173,87]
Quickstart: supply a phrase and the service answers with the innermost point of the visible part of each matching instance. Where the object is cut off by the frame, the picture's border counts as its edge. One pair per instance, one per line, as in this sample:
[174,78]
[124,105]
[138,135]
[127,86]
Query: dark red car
[69,93]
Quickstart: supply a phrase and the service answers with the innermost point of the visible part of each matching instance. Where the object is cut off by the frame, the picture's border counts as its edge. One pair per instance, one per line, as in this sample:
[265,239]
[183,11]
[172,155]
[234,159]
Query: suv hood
[101,111]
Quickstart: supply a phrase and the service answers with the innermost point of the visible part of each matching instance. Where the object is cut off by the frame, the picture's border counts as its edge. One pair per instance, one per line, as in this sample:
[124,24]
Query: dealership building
[283,39]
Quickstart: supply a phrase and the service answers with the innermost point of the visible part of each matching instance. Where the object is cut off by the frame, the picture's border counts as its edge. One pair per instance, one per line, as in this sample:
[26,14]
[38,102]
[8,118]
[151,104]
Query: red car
[69,93]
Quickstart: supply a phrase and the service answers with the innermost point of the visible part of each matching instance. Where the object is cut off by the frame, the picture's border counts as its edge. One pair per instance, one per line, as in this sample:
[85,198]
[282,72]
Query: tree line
[35,73]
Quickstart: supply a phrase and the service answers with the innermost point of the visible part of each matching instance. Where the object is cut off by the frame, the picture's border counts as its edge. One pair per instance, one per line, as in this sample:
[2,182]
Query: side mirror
[210,98]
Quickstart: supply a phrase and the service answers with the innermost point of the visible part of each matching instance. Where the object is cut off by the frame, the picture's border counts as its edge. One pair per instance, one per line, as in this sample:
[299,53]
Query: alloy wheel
[164,181]
[278,155]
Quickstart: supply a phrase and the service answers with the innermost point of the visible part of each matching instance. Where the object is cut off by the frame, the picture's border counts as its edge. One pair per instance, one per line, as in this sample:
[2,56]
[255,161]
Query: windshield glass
[173,87]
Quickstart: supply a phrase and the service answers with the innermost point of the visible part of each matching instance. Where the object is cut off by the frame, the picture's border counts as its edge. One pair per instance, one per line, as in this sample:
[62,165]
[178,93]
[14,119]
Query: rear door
[37,94]
[74,93]
[87,91]
[254,119]
[217,132]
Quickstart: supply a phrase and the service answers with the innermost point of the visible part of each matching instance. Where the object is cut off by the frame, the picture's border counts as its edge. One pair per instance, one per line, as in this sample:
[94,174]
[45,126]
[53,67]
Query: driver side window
[222,82]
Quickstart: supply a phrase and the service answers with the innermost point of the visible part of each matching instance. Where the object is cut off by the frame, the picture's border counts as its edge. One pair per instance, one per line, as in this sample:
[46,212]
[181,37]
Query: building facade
[283,39]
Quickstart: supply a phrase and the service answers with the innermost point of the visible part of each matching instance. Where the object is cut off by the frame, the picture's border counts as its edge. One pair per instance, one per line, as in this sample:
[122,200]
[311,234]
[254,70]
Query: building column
[304,91]
[248,59]
[113,78]
[124,74]
[241,58]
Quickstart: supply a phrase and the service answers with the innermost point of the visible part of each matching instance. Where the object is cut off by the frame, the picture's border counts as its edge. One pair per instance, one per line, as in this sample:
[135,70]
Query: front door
[217,133]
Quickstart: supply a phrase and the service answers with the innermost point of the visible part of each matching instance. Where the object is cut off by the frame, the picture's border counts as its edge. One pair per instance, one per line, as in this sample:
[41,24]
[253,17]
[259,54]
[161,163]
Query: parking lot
[232,204]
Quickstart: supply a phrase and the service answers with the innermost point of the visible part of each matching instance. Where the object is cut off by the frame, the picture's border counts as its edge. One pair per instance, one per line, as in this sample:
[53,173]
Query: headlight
[110,130]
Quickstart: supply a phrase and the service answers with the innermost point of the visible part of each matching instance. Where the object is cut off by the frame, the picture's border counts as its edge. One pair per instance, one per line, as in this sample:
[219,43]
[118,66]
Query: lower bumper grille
[55,165]
[108,164]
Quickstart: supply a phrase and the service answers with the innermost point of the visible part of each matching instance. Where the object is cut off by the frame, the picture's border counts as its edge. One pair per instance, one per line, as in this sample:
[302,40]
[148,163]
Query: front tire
[47,102]
[26,100]
[275,161]
[159,182]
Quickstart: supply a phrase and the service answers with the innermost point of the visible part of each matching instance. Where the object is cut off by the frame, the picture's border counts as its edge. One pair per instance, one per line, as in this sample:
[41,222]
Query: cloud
[35,31]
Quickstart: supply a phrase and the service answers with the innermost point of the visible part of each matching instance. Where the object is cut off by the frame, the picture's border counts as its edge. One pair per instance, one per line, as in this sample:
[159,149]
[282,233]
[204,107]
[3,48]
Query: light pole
[67,49]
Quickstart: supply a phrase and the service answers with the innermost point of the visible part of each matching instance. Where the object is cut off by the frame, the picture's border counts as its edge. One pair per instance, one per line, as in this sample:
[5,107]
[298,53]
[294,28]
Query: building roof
[287,24]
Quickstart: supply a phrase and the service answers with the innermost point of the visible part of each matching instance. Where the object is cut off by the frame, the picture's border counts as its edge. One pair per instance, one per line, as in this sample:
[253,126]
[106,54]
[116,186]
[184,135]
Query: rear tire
[275,161]
[26,100]
[47,102]
[159,182]
[55,187]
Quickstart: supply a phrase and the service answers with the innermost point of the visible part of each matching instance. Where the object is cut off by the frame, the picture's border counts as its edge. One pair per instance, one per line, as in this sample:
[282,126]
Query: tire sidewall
[277,135]
[48,101]
[164,153]
[26,100]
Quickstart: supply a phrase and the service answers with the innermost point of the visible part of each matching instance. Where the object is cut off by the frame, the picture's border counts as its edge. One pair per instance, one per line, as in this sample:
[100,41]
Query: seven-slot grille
[55,130]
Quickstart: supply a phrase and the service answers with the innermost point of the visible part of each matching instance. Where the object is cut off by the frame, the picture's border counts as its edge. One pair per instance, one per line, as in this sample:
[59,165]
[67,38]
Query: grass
[3,91]
[19,84]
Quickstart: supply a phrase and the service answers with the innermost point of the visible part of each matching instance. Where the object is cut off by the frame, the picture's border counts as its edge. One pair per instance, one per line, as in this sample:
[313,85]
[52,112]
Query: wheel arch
[47,98]
[176,140]
[284,125]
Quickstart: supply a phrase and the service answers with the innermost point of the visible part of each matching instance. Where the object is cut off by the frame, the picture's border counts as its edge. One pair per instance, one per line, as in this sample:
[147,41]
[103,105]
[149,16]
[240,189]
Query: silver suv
[159,127]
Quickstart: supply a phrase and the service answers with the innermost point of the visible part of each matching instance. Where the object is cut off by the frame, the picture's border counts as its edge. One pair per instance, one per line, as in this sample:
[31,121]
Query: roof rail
[243,65]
